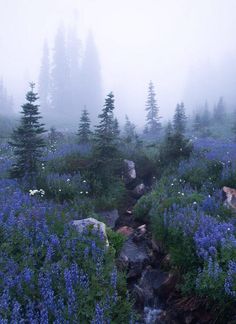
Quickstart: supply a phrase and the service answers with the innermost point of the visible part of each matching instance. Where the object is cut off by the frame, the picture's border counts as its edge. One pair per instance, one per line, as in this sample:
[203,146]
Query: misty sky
[186,47]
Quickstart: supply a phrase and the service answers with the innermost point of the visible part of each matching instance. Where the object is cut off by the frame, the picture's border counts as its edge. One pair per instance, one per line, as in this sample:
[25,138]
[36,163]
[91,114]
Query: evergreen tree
[219,111]
[74,56]
[116,129]
[44,79]
[91,84]
[168,130]
[129,130]
[6,102]
[27,140]
[54,137]
[206,116]
[174,146]
[60,74]
[153,119]
[179,120]
[84,131]
[197,124]
[106,132]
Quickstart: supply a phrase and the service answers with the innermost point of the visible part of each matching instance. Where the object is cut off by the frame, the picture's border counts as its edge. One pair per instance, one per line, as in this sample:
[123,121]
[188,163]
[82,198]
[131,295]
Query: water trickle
[151,315]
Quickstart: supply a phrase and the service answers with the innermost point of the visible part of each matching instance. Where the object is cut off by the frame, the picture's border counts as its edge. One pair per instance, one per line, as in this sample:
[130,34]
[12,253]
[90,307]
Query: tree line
[70,76]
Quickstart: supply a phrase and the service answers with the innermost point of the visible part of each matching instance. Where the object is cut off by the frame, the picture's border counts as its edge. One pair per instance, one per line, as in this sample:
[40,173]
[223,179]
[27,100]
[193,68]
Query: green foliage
[219,113]
[116,240]
[153,125]
[110,197]
[179,120]
[198,176]
[143,206]
[174,148]
[129,131]
[27,140]
[105,136]
[84,132]
[105,153]
[211,285]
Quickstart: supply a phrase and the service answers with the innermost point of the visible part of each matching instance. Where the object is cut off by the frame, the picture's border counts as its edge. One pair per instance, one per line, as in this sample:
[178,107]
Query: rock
[133,257]
[129,171]
[167,286]
[138,295]
[155,246]
[140,233]
[83,224]
[152,315]
[188,318]
[166,261]
[230,200]
[151,281]
[109,217]
[139,191]
[125,230]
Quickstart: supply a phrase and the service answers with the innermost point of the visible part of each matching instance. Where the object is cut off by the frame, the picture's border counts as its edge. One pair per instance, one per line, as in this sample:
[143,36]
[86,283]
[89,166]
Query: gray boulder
[129,171]
[230,197]
[83,224]
[133,258]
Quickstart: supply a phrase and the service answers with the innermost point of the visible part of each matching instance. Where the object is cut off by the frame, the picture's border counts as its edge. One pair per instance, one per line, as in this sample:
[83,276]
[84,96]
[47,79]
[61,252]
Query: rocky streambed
[154,290]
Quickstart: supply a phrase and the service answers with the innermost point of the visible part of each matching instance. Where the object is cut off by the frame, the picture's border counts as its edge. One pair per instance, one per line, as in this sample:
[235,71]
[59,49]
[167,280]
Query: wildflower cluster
[49,272]
[188,214]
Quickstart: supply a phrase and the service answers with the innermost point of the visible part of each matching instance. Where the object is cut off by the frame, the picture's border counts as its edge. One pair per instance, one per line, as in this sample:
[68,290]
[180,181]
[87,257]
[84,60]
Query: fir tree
[6,102]
[153,119]
[27,140]
[74,57]
[54,137]
[60,73]
[197,124]
[179,120]
[116,129]
[91,83]
[84,131]
[168,130]
[174,146]
[44,79]
[129,130]
[206,116]
[106,132]
[219,111]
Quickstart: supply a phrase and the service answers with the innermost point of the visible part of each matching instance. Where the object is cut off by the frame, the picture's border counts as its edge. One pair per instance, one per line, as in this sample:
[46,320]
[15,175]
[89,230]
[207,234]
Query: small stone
[139,191]
[230,197]
[125,230]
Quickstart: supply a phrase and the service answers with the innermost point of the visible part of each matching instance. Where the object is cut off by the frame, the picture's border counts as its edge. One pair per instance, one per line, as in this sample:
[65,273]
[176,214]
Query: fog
[187,48]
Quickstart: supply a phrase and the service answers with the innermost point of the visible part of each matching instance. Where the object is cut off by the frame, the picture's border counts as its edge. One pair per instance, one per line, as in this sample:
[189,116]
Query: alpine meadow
[118,162]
